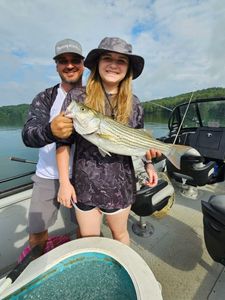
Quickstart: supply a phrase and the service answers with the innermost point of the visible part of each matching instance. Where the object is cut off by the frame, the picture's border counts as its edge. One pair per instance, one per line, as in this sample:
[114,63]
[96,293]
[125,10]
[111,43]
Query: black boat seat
[218,202]
[214,227]
[149,200]
[207,168]
[193,169]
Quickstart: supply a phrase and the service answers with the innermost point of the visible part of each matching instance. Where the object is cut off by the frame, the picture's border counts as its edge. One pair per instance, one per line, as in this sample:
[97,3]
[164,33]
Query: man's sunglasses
[74,61]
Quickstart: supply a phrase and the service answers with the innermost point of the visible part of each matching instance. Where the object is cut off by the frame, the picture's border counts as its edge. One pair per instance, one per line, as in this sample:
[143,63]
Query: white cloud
[182,42]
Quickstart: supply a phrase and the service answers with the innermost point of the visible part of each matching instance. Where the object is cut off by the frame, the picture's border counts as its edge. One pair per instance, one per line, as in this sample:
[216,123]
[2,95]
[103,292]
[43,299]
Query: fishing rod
[182,121]
[22,160]
[20,267]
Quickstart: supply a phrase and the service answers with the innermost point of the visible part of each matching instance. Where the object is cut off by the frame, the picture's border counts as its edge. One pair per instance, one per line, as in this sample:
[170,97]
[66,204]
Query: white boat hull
[14,230]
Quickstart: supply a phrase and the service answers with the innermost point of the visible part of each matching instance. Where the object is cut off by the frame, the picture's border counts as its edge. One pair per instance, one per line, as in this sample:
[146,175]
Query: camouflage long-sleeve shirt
[106,182]
[36,132]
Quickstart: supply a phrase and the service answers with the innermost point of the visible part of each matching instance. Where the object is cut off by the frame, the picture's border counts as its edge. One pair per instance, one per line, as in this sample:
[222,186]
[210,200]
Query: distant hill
[17,114]
[13,114]
[156,105]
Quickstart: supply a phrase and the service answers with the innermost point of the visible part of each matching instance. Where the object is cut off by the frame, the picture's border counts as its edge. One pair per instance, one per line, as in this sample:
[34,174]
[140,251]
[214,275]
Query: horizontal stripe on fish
[132,138]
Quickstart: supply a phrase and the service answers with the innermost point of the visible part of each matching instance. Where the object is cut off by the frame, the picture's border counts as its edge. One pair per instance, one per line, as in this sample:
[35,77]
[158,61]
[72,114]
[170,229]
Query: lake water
[11,144]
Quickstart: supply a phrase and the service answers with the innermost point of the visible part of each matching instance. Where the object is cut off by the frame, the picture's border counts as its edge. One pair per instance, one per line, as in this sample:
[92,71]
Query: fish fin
[103,152]
[177,151]
[148,132]
[145,132]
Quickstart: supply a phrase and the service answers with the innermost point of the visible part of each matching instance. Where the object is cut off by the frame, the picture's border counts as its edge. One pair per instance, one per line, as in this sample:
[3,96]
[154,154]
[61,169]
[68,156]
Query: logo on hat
[68,46]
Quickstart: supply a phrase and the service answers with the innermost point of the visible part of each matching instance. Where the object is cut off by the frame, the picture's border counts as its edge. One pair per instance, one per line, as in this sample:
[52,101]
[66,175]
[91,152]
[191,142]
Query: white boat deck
[176,252]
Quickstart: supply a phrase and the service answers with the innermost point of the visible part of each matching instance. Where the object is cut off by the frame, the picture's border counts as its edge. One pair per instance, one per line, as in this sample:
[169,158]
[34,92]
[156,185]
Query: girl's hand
[152,153]
[66,194]
[152,175]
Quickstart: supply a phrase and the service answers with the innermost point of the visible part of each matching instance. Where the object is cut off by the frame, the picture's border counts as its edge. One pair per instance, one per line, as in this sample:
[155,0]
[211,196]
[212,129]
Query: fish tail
[177,151]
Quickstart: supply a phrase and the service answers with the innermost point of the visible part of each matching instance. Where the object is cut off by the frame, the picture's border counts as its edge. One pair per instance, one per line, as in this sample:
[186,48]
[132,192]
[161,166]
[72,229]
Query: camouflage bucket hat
[117,45]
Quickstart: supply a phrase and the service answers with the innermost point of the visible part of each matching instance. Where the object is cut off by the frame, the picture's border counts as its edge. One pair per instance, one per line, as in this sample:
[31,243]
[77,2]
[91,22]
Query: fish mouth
[68,114]
[69,110]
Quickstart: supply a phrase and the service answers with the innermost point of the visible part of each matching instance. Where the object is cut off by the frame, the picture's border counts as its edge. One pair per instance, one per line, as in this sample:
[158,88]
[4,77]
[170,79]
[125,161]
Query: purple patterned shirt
[106,182]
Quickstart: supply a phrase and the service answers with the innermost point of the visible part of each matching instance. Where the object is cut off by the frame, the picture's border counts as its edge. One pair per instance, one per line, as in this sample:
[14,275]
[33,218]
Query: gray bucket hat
[68,46]
[118,45]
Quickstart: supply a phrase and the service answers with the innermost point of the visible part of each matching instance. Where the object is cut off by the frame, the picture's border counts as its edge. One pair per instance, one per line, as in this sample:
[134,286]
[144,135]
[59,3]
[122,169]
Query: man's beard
[71,81]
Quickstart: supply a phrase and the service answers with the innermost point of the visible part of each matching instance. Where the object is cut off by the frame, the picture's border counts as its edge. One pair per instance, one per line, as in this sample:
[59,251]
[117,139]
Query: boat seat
[207,168]
[214,227]
[194,170]
[149,200]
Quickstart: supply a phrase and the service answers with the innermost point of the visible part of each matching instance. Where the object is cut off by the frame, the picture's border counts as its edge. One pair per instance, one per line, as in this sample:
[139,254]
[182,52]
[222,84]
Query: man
[44,125]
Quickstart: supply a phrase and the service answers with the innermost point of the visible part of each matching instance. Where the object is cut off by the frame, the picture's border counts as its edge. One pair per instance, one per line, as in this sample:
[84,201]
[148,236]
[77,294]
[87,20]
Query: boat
[178,227]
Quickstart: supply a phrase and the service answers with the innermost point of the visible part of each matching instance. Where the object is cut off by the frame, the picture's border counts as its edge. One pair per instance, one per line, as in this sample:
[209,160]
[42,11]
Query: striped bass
[111,136]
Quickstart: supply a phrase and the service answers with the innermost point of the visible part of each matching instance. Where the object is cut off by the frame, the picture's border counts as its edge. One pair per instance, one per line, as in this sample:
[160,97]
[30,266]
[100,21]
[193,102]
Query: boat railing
[19,186]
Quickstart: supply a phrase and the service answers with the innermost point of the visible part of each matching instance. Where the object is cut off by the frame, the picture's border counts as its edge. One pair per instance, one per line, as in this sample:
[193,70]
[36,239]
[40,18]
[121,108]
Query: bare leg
[89,222]
[118,225]
[38,239]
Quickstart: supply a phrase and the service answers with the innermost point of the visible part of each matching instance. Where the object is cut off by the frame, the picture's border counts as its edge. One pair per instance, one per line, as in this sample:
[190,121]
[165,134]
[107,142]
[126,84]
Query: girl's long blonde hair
[96,96]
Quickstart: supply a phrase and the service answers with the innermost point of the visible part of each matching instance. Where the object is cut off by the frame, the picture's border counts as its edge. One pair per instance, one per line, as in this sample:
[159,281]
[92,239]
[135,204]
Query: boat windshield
[205,113]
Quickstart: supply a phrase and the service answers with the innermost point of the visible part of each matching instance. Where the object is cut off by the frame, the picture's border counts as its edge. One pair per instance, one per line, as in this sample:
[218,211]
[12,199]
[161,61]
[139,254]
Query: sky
[182,42]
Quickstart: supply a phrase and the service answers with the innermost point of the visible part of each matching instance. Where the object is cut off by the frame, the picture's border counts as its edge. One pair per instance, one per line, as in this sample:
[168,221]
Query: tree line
[13,114]
[158,106]
[17,114]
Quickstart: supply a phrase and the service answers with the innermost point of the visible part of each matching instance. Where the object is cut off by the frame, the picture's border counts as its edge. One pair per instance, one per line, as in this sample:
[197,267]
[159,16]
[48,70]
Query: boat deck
[176,252]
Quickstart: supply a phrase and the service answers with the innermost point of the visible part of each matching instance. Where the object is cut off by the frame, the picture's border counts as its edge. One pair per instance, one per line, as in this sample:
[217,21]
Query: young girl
[105,185]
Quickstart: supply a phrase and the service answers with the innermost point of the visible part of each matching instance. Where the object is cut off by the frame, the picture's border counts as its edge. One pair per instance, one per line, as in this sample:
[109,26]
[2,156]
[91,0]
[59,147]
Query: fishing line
[167,108]
[182,121]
